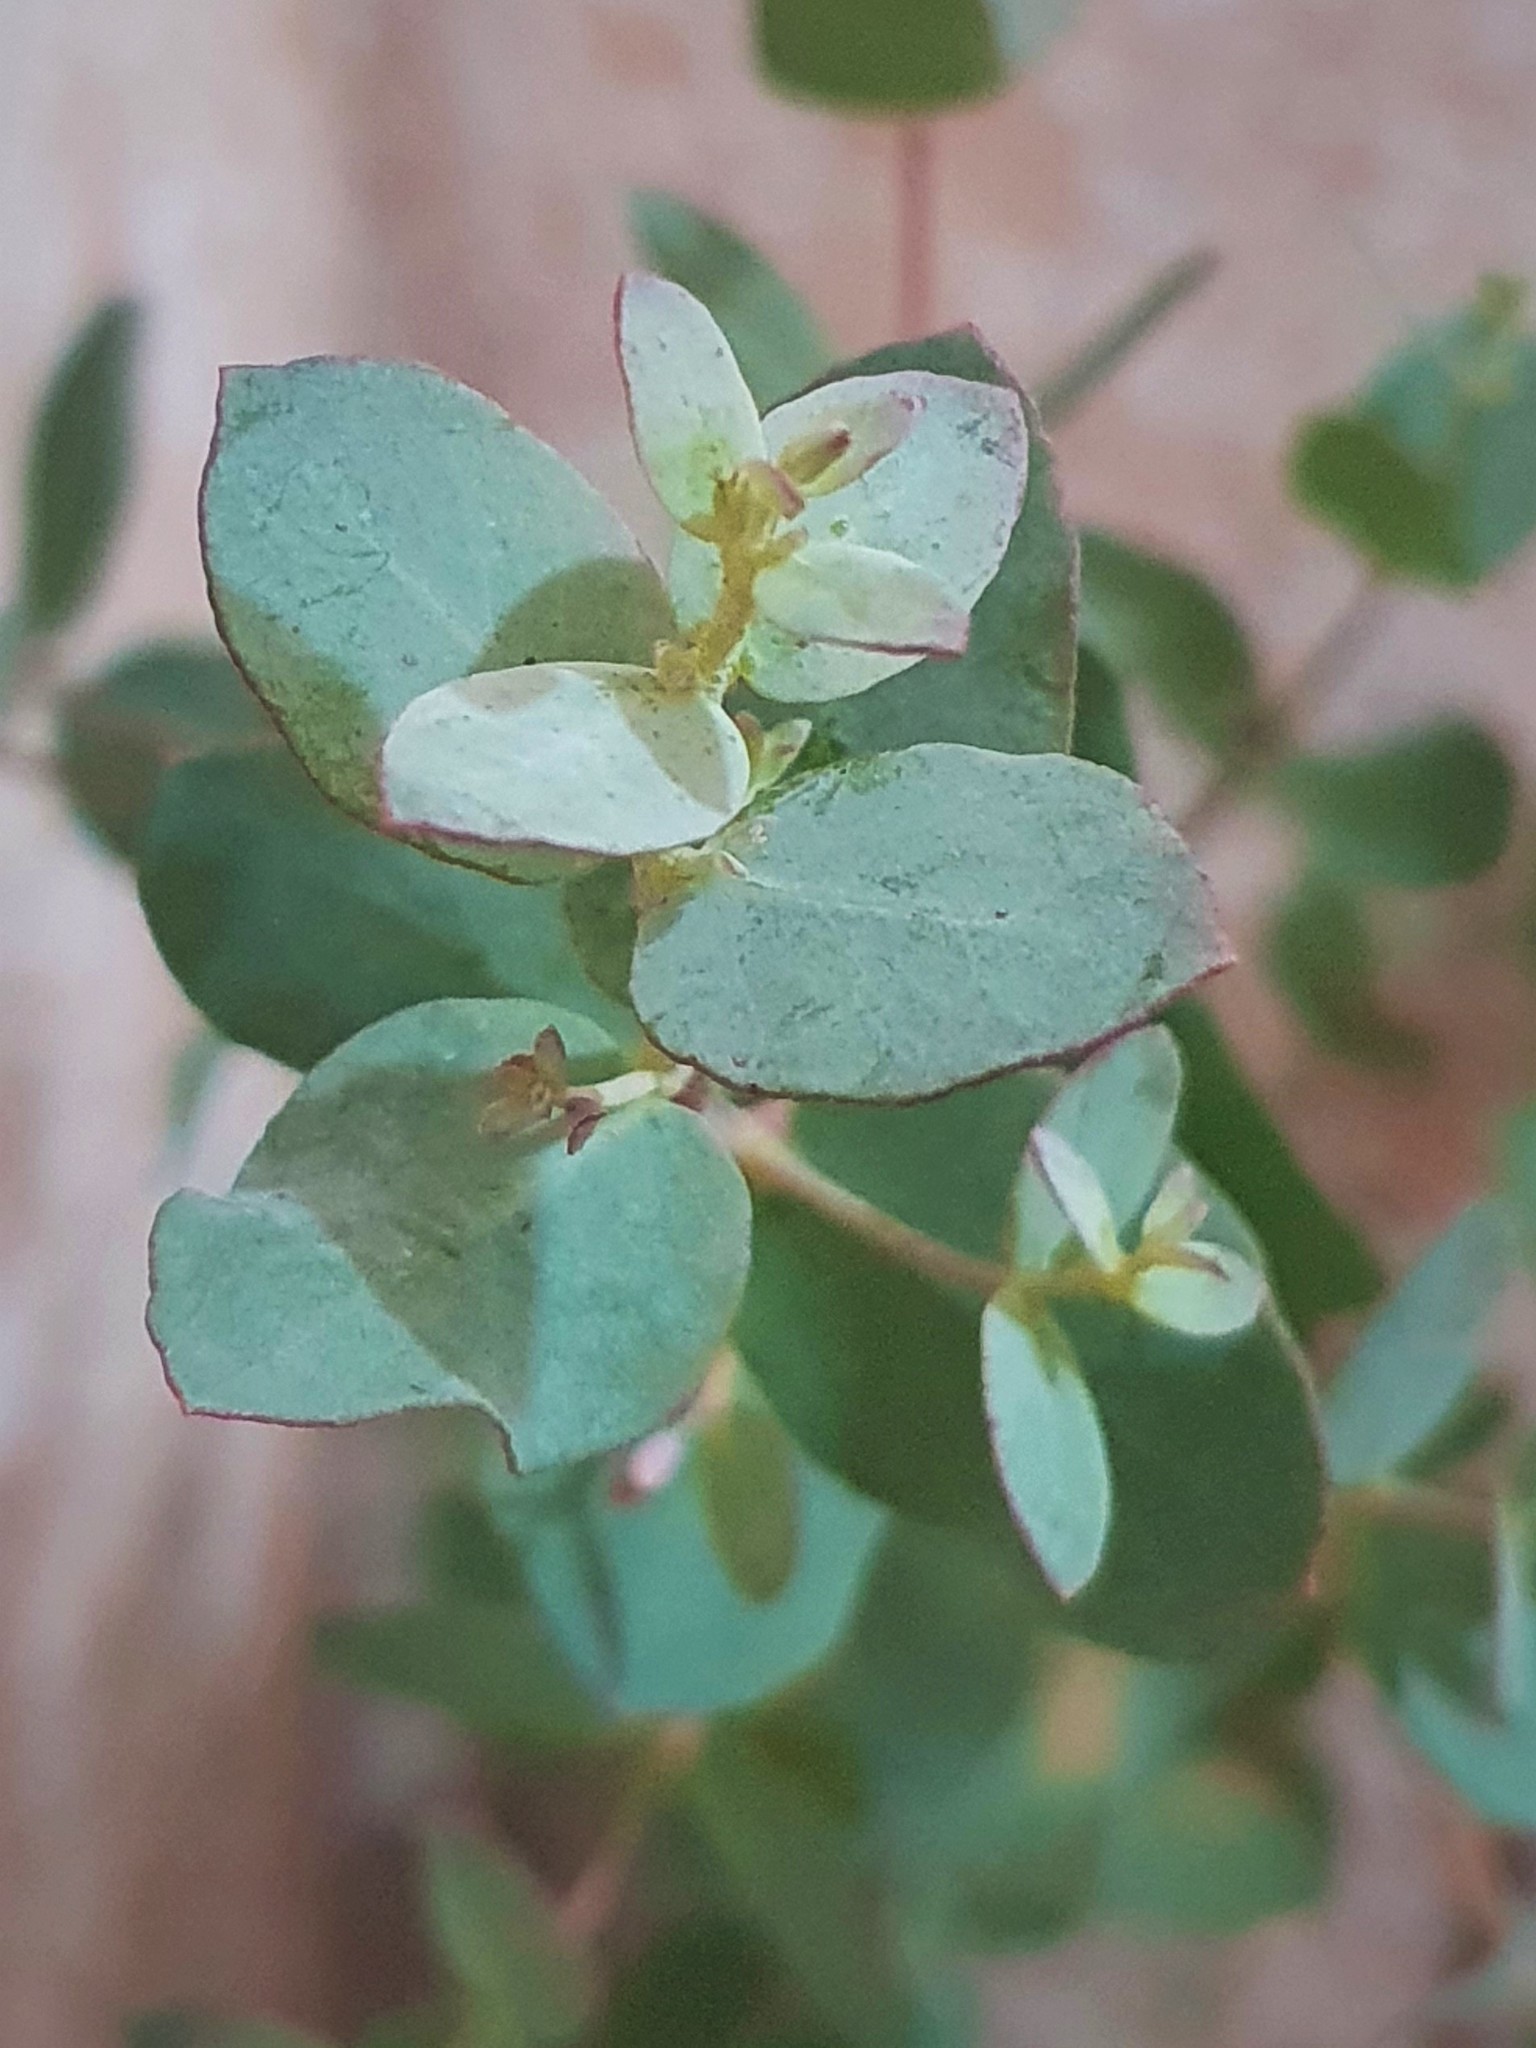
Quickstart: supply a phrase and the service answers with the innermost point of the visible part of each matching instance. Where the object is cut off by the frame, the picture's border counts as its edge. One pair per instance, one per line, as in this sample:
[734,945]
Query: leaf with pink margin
[692,416]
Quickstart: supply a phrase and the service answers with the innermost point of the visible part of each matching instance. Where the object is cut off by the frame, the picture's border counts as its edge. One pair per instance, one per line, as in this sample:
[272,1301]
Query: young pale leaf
[836,594]
[646,1610]
[1048,1445]
[746,1471]
[947,497]
[893,928]
[1318,1265]
[1163,627]
[1419,1352]
[693,418]
[291,926]
[149,709]
[772,332]
[1322,956]
[1116,1112]
[519,1980]
[1432,474]
[1074,1187]
[1012,688]
[1417,811]
[383,1250]
[448,541]
[1092,365]
[582,757]
[77,468]
[888,57]
[1210,1293]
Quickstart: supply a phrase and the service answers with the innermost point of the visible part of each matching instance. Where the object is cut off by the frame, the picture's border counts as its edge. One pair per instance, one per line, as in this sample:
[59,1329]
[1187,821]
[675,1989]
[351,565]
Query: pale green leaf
[1048,1445]
[385,1250]
[1219,1295]
[1419,1352]
[834,591]
[77,467]
[772,333]
[693,418]
[372,530]
[1074,1187]
[892,928]
[581,757]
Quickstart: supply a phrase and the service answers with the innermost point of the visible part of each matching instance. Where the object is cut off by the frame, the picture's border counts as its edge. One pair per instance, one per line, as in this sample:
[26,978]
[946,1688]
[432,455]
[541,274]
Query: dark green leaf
[1432,475]
[1418,1353]
[1416,1598]
[77,467]
[1476,1421]
[893,928]
[1317,1263]
[1416,811]
[1321,954]
[1099,729]
[646,1612]
[372,530]
[152,707]
[383,1250]
[185,2030]
[520,1983]
[1066,388]
[745,1467]
[1012,688]
[291,927]
[701,1984]
[772,332]
[1166,629]
[600,917]
[492,1669]
[901,56]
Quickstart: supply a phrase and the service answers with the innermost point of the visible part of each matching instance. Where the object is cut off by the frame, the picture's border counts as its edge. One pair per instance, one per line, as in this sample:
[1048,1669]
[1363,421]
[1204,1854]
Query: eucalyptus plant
[753,1088]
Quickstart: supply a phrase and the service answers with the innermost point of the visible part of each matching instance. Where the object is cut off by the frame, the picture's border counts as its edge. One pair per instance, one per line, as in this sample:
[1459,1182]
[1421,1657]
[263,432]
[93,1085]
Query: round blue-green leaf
[372,530]
[291,926]
[1048,1445]
[650,1617]
[381,1251]
[1418,810]
[892,928]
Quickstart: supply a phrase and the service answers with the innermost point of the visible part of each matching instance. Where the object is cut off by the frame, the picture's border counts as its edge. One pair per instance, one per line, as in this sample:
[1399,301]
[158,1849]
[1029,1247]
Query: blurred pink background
[447,182]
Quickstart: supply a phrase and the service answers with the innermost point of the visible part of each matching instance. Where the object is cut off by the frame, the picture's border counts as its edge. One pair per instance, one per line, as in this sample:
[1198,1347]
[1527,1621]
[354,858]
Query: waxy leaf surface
[890,929]
[901,56]
[381,1251]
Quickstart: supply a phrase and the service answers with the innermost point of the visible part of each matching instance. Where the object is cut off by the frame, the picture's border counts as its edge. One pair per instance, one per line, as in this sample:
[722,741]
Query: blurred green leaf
[1092,365]
[384,1251]
[1420,1350]
[1317,1263]
[1214,1844]
[1100,731]
[521,1983]
[1063,911]
[156,705]
[1321,955]
[1012,688]
[701,1984]
[745,1468]
[193,1071]
[1415,811]
[1416,1598]
[1469,1427]
[600,918]
[185,2030]
[454,542]
[1165,628]
[291,927]
[772,332]
[640,1602]
[1431,475]
[78,466]
[901,56]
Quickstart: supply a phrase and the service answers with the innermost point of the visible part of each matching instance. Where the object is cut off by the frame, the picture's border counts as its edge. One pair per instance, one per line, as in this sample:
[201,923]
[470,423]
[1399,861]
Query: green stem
[772,1167]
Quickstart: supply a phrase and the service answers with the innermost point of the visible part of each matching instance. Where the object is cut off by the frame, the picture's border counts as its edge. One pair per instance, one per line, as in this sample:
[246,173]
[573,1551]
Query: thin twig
[773,1168]
[1277,732]
[1430,1507]
[914,229]
[594,1898]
